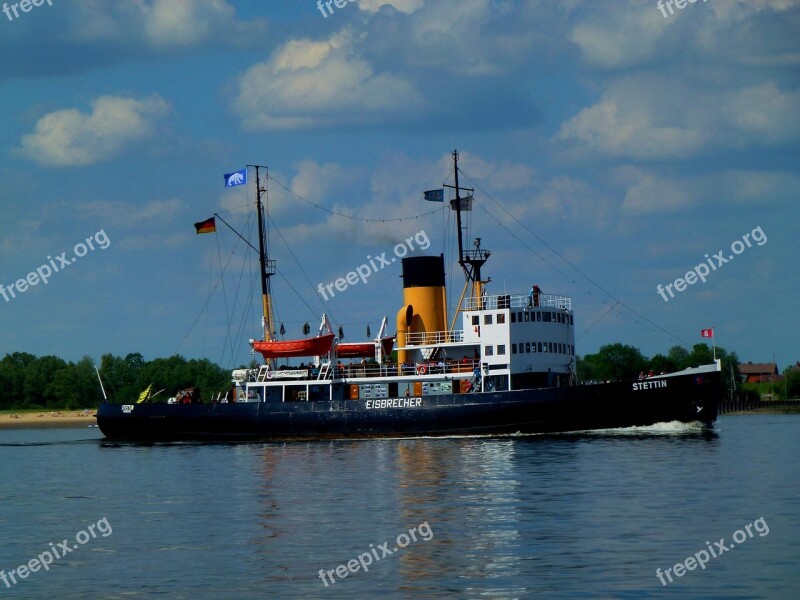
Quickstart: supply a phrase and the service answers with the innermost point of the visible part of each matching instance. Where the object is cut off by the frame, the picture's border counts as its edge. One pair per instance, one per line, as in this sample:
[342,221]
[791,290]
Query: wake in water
[668,428]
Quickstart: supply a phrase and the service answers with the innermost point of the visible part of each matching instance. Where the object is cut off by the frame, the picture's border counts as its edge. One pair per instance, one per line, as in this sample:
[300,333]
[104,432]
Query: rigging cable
[549,247]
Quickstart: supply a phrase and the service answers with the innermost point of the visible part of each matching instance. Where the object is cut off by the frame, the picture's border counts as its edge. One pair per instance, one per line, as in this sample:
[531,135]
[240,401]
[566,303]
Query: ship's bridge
[519,341]
[529,338]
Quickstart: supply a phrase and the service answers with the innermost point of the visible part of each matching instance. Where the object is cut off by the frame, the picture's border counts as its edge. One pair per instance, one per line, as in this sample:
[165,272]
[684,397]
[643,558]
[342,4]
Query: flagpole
[713,344]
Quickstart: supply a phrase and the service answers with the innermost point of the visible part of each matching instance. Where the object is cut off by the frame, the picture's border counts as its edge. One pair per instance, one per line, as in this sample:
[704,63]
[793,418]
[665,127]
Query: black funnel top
[423,271]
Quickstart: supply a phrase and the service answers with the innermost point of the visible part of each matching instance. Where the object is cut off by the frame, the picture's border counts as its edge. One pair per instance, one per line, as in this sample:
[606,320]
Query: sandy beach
[46,418]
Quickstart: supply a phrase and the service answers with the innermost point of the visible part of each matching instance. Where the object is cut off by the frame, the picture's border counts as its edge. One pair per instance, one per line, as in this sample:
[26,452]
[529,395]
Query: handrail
[433,367]
[434,337]
[503,301]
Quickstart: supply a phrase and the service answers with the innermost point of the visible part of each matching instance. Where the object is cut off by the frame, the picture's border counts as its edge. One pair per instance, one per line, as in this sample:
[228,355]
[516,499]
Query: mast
[266,266]
[472,260]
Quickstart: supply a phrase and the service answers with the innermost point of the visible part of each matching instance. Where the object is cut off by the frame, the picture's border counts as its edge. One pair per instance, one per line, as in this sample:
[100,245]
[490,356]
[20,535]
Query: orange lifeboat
[364,349]
[316,346]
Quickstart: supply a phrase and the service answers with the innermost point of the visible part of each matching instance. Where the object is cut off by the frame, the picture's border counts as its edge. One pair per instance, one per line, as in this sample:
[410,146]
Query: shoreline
[47,419]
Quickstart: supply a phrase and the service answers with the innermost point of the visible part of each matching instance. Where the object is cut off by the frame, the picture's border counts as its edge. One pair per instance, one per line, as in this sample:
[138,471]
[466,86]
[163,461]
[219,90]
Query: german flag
[207,226]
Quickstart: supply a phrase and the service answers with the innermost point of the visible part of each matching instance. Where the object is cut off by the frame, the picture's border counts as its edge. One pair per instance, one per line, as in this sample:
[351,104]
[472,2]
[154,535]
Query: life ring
[421,369]
[269,374]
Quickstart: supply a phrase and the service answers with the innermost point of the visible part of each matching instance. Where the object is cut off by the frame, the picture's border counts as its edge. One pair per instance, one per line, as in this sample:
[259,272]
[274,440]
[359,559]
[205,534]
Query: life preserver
[269,374]
[421,369]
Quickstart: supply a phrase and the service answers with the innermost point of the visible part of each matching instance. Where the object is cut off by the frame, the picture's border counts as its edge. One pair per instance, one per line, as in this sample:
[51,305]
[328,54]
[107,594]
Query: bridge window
[501,318]
[488,350]
[513,346]
[487,319]
[476,320]
[513,317]
[501,349]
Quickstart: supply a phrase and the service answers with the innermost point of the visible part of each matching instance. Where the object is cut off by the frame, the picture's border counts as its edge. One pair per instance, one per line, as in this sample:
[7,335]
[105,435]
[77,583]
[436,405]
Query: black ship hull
[688,398]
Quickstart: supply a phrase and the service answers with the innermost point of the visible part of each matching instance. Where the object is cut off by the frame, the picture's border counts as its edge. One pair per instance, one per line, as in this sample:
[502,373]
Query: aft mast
[471,261]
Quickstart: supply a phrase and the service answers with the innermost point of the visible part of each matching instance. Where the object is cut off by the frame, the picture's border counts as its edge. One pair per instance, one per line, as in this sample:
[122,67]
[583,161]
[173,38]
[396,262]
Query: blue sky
[630,143]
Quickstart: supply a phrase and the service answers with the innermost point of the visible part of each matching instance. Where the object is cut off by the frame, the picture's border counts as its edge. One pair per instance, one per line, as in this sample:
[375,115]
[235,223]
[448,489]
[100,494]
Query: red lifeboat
[316,346]
[364,349]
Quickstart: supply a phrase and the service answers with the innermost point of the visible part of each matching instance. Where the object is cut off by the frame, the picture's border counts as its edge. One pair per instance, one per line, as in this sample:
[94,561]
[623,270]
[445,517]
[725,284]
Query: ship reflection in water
[558,517]
[468,491]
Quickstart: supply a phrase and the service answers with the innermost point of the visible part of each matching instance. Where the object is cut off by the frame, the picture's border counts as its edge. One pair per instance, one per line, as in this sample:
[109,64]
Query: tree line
[618,361]
[31,382]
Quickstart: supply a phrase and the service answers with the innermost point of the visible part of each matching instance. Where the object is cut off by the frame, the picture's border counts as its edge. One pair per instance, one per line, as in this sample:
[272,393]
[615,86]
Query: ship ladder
[262,373]
[324,371]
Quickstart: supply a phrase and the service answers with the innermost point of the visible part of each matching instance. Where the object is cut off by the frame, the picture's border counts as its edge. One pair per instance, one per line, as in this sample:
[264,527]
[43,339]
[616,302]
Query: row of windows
[546,317]
[531,347]
[525,317]
[489,319]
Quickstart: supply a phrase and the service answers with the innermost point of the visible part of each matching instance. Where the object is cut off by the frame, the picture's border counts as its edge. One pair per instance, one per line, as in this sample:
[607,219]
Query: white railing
[434,337]
[502,301]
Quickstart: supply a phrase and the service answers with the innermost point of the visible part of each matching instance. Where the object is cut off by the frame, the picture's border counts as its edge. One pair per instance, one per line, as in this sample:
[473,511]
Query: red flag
[207,226]
[707,333]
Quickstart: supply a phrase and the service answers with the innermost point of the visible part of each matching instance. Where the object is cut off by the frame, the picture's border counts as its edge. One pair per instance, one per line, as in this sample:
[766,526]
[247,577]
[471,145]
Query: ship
[504,365]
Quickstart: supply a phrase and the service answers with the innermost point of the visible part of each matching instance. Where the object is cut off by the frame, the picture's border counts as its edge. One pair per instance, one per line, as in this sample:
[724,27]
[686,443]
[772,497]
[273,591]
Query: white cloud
[308,83]
[315,182]
[620,35]
[161,23]
[652,117]
[764,112]
[626,126]
[649,193]
[70,137]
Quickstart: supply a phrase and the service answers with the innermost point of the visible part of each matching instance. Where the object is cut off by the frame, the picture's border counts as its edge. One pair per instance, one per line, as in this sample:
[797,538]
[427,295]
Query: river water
[570,516]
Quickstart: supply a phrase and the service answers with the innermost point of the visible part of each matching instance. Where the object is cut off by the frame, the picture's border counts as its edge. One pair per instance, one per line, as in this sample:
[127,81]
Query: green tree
[679,356]
[615,361]
[39,373]
[12,379]
[792,375]
[76,386]
[661,364]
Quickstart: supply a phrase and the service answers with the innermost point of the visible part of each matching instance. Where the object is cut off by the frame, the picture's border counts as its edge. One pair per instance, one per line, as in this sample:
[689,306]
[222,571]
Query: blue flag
[434,195]
[237,178]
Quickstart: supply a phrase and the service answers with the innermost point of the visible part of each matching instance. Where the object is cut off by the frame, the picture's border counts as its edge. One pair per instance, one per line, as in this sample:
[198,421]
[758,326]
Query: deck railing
[432,367]
[434,337]
[503,301]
